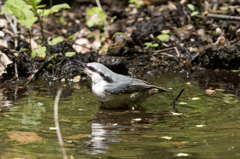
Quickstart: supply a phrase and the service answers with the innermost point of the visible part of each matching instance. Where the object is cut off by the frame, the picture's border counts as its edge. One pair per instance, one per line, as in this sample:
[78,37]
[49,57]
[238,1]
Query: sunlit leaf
[182,103]
[194,13]
[113,18]
[191,7]
[70,54]
[148,43]
[137,119]
[166,137]
[34,2]
[182,154]
[56,40]
[104,49]
[72,36]
[177,114]
[49,66]
[118,33]
[53,128]
[195,98]
[99,138]
[77,78]
[21,10]
[53,9]
[93,34]
[200,126]
[163,37]
[165,31]
[38,51]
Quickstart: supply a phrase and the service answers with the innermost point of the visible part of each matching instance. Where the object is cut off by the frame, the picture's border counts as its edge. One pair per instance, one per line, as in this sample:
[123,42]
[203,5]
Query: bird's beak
[82,64]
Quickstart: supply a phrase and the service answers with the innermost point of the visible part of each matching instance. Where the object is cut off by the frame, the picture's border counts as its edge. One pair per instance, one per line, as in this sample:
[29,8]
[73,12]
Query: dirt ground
[154,38]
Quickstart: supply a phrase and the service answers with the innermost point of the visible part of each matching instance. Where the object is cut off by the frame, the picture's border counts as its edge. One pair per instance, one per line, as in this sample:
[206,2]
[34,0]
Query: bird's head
[98,72]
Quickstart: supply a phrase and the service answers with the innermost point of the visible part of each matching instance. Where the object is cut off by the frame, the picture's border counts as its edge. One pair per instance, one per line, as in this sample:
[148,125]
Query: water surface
[209,128]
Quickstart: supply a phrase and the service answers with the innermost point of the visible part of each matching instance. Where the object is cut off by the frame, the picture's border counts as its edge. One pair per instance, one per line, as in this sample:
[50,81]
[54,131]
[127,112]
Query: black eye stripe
[91,68]
[106,78]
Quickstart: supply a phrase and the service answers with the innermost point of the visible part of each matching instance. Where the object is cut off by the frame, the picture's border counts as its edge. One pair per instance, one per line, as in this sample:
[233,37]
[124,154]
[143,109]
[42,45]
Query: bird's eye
[91,68]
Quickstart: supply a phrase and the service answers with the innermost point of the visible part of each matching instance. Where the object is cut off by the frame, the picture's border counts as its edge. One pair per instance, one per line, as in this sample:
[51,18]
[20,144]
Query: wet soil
[195,42]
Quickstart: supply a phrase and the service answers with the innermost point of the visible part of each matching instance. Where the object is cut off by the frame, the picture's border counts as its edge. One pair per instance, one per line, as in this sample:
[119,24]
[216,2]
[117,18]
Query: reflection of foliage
[230,98]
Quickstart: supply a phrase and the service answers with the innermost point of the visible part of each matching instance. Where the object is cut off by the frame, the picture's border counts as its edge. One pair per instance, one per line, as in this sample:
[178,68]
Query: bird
[116,91]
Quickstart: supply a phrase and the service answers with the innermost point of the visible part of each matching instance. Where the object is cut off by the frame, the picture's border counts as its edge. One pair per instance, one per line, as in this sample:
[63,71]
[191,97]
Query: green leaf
[70,54]
[72,36]
[102,15]
[163,37]
[119,33]
[132,5]
[151,44]
[165,31]
[90,23]
[49,66]
[191,7]
[54,9]
[34,3]
[58,7]
[56,40]
[21,10]
[93,34]
[155,45]
[113,18]
[194,13]
[148,43]
[40,50]
[28,23]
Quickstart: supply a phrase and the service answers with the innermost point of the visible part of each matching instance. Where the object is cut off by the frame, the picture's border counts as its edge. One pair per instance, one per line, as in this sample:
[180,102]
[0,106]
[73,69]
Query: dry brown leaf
[24,137]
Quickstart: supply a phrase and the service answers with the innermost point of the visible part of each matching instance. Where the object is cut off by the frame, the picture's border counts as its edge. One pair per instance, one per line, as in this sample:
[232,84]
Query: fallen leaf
[4,61]
[200,126]
[53,128]
[182,154]
[78,136]
[173,113]
[210,92]
[77,78]
[24,137]
[182,103]
[195,98]
[166,137]
[138,119]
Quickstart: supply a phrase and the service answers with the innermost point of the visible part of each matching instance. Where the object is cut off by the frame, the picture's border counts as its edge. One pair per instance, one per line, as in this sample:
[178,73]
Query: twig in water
[174,101]
[59,135]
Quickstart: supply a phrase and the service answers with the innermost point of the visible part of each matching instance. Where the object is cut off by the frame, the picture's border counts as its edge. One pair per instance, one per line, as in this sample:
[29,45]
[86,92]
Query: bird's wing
[127,85]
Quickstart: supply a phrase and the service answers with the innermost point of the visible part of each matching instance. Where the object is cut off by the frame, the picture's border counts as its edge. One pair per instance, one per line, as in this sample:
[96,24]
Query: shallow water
[209,126]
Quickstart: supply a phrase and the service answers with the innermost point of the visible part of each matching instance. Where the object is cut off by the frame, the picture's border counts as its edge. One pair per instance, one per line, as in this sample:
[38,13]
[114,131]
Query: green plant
[164,37]
[28,13]
[135,3]
[96,17]
[192,8]
[151,44]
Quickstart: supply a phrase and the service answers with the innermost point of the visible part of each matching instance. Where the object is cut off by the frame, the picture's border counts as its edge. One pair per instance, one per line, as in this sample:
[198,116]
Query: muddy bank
[147,40]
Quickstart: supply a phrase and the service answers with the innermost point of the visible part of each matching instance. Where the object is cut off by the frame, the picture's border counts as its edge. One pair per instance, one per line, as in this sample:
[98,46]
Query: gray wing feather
[127,85]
